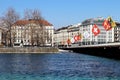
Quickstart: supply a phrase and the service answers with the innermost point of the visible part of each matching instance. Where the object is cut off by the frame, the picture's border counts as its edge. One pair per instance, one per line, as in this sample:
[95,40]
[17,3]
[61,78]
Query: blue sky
[65,12]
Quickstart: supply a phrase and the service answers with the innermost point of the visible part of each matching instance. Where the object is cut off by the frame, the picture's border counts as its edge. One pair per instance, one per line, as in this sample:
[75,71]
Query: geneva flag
[109,23]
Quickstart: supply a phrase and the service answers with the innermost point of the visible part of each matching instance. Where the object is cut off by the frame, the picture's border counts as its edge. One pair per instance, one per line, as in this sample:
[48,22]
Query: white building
[0,36]
[103,37]
[117,32]
[32,33]
[87,37]
[3,35]
[62,35]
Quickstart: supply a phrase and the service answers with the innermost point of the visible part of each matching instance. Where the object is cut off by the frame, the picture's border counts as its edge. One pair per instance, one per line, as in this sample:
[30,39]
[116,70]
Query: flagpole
[96,42]
[68,38]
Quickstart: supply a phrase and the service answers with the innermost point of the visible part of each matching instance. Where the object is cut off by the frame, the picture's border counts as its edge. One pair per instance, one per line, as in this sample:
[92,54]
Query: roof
[25,22]
[61,28]
[117,23]
[93,20]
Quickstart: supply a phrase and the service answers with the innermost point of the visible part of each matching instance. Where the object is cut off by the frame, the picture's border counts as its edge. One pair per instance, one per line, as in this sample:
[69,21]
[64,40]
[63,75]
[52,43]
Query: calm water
[62,66]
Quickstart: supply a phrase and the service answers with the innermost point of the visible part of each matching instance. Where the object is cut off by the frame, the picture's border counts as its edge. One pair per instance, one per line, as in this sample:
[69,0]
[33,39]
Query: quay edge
[29,50]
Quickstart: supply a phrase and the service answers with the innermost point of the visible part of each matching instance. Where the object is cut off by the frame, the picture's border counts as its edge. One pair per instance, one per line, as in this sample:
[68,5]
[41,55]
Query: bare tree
[36,14]
[32,14]
[9,18]
[27,14]
[37,34]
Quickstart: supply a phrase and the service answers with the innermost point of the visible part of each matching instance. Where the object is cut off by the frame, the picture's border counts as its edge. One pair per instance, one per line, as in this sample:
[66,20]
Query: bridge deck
[98,45]
[110,50]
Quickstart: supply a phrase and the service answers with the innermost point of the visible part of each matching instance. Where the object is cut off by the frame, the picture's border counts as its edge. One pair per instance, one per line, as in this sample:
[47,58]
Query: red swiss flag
[106,25]
[77,37]
[95,30]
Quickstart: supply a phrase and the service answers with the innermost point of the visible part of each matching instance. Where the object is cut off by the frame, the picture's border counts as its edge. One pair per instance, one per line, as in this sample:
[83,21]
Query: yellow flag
[112,23]
[81,36]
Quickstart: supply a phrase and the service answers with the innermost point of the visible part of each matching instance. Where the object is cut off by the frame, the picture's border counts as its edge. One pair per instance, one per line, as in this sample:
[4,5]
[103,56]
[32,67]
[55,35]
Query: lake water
[60,66]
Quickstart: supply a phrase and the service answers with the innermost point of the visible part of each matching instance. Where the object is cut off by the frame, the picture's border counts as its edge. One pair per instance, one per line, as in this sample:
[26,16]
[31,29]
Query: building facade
[3,36]
[117,32]
[87,37]
[32,33]
[62,35]
[103,37]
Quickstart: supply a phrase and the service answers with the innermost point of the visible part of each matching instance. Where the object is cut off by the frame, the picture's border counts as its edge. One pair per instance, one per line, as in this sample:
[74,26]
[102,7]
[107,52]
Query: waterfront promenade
[29,50]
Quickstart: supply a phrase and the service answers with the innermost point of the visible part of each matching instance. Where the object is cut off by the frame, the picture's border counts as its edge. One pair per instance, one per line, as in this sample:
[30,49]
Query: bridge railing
[96,45]
[76,45]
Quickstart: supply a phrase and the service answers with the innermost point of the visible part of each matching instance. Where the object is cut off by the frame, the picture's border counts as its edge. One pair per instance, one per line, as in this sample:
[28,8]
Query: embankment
[29,50]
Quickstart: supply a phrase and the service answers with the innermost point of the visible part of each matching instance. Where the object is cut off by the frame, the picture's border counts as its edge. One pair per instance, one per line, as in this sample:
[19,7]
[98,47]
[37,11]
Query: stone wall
[29,50]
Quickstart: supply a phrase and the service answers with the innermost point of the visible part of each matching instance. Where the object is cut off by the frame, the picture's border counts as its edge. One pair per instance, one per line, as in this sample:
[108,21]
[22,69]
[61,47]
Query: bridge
[107,49]
[106,45]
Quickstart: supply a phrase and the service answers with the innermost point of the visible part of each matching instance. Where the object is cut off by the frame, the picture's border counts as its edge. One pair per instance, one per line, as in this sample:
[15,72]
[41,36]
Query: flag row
[108,24]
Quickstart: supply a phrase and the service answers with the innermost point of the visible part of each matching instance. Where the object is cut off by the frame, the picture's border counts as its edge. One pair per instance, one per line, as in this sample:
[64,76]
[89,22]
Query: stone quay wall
[29,50]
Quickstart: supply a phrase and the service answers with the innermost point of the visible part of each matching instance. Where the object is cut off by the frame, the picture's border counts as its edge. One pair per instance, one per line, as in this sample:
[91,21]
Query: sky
[62,13]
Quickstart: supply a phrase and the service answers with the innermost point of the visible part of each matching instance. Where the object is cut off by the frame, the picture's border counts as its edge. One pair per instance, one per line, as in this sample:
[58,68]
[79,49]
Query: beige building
[62,35]
[32,33]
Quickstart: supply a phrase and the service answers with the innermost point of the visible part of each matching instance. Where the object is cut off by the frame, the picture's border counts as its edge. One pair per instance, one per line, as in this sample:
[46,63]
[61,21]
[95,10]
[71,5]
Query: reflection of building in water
[18,65]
